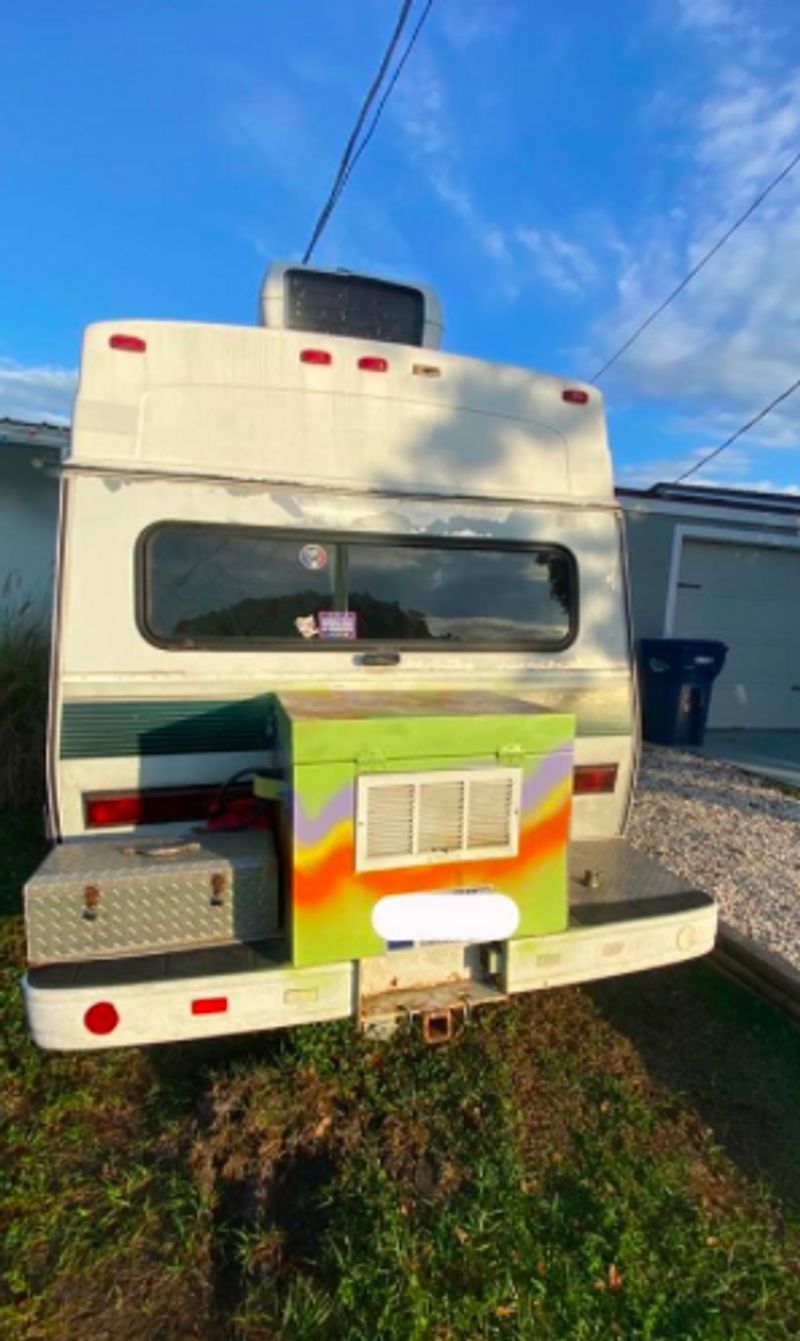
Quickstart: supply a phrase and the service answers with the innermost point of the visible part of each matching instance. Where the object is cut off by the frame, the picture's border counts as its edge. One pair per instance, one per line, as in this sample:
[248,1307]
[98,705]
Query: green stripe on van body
[130,728]
[110,729]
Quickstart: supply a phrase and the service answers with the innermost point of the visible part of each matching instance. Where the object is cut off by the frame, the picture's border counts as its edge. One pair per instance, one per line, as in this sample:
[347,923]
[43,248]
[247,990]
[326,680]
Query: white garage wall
[743,590]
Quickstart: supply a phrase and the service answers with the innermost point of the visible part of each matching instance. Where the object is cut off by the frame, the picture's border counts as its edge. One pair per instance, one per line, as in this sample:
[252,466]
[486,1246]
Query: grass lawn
[615,1162]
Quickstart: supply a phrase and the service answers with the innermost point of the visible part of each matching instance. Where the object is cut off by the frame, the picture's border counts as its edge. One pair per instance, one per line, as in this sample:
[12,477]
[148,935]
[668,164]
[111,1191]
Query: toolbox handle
[162,853]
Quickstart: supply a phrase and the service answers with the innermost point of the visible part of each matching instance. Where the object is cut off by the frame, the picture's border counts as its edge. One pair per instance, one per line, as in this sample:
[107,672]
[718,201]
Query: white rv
[343,716]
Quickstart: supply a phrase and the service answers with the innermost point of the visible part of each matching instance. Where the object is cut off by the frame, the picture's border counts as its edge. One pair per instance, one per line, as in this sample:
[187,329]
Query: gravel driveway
[728,832]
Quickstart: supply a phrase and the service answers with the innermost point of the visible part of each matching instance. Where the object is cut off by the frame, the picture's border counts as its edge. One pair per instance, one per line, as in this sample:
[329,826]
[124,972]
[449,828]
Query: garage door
[748,598]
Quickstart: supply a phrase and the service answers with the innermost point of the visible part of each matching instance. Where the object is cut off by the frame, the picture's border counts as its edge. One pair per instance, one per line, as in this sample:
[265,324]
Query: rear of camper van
[342,712]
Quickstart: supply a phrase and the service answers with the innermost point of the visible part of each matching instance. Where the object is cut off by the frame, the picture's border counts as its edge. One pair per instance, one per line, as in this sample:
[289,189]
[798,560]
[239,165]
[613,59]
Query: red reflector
[574,396]
[134,344]
[209,1005]
[101,1018]
[371,363]
[315,356]
[594,778]
[156,805]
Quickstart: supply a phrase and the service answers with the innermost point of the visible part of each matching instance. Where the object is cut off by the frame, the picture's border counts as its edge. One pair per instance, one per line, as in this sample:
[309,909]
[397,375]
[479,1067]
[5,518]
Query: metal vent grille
[416,819]
[390,821]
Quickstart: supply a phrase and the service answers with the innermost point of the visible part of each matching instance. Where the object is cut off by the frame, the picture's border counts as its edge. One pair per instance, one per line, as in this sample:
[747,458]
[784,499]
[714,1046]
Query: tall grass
[24,653]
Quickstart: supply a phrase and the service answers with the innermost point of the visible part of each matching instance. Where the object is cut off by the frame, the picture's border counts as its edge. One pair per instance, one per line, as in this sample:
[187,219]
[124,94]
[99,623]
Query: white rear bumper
[170,1008]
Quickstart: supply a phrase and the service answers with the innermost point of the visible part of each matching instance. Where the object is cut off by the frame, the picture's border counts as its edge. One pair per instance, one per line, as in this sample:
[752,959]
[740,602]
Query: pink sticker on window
[337,625]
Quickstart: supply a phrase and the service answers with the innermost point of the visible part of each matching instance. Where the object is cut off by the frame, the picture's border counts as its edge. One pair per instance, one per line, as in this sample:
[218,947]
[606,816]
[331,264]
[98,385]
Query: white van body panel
[225,401]
[103,654]
[233,427]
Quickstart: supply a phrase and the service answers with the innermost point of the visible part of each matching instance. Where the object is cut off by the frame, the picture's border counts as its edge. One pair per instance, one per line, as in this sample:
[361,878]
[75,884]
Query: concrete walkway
[773,754]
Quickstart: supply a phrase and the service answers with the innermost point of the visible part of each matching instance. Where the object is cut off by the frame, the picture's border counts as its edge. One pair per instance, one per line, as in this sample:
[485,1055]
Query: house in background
[723,564]
[28,512]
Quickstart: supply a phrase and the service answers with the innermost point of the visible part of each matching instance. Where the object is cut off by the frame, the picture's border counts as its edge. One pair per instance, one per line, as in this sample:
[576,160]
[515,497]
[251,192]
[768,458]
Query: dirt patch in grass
[613,1162]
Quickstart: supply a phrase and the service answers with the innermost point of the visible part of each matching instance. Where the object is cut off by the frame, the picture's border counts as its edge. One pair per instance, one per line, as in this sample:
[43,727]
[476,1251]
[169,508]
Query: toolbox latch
[510,756]
[371,761]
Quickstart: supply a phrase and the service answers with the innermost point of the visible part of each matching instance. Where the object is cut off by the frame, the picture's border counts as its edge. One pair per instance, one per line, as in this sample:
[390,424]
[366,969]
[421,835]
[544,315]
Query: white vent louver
[416,819]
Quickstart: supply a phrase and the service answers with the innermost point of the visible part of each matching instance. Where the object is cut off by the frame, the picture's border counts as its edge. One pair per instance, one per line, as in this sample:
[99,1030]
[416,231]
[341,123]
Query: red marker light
[210,1005]
[157,805]
[372,363]
[593,778]
[132,344]
[101,1018]
[575,396]
[315,356]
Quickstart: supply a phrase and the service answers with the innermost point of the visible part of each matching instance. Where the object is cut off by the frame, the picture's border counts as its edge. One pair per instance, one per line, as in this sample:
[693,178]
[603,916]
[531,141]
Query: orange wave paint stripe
[316,883]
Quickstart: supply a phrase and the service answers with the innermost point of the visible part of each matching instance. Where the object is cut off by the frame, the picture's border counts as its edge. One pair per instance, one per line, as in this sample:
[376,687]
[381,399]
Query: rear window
[213,586]
[369,309]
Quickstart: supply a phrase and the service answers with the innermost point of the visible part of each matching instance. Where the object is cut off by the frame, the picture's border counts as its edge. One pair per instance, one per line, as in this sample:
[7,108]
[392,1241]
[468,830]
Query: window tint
[459,594]
[211,585]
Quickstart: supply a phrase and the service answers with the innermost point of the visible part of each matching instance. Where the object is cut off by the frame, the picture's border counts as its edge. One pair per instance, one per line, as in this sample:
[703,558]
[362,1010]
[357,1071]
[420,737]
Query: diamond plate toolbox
[95,899]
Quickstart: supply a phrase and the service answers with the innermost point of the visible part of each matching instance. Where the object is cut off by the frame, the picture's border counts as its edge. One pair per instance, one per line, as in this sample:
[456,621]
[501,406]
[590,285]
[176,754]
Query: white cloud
[734,469]
[36,393]
[707,14]
[731,341]
[564,264]
[465,22]
[275,123]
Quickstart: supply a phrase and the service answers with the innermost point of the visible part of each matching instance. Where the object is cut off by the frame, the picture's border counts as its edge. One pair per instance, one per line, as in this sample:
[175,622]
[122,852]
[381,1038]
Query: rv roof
[323,410]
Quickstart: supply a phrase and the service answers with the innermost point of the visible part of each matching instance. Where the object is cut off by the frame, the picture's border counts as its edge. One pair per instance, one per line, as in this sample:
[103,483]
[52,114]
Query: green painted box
[408,793]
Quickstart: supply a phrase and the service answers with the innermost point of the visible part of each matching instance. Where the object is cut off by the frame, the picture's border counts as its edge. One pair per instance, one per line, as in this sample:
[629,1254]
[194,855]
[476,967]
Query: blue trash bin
[676,676]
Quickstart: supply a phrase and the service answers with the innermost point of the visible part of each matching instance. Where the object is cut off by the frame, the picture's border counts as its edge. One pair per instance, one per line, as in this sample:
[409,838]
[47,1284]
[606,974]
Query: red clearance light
[133,344]
[593,778]
[574,396]
[372,363]
[209,1005]
[315,356]
[156,805]
[101,1018]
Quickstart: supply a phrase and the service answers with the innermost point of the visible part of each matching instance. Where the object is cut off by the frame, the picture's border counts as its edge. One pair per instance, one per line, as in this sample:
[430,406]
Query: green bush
[24,656]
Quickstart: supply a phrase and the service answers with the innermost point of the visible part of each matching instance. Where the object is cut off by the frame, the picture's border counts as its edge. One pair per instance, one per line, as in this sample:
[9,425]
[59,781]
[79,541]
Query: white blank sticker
[480,916]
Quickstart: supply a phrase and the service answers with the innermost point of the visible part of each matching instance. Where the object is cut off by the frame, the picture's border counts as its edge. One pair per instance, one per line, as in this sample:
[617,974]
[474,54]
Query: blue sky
[551,170]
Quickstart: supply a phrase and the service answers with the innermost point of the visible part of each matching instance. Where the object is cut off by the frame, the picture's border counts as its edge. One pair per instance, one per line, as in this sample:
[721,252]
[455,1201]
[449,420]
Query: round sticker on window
[314,557]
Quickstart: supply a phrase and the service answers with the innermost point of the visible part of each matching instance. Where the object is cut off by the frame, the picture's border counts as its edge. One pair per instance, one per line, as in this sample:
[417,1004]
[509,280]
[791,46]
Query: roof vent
[338,302]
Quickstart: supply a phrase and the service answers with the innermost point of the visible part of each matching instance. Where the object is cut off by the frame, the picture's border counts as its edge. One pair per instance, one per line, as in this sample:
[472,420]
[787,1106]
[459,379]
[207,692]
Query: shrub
[24,655]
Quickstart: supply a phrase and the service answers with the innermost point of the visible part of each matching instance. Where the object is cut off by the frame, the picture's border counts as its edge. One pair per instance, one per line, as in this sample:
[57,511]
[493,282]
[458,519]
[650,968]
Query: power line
[697,268]
[762,414]
[344,162]
[412,41]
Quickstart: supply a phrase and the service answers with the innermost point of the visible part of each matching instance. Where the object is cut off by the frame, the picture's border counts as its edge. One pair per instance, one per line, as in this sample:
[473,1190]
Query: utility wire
[344,163]
[697,268]
[762,414]
[412,41]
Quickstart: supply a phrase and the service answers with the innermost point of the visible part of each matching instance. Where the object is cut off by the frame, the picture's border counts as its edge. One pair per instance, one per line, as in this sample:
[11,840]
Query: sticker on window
[337,625]
[306,626]
[314,557]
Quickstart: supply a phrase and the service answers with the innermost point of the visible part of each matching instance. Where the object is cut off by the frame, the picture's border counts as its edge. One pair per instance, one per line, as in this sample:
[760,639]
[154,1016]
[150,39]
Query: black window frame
[143,586]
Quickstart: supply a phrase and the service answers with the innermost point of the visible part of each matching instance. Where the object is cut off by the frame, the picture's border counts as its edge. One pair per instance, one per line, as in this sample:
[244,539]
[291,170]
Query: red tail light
[593,778]
[371,363]
[101,1018]
[315,356]
[209,1005]
[575,396]
[132,344]
[156,805]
